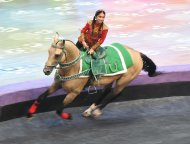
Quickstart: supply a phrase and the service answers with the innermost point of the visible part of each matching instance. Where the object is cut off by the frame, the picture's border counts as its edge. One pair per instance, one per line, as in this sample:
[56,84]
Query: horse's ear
[56,37]
[57,34]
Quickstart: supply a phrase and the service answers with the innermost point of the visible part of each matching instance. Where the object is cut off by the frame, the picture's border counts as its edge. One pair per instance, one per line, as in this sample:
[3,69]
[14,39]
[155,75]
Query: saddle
[110,60]
[97,62]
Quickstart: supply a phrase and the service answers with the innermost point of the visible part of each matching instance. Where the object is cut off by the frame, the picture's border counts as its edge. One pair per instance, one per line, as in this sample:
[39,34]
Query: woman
[93,33]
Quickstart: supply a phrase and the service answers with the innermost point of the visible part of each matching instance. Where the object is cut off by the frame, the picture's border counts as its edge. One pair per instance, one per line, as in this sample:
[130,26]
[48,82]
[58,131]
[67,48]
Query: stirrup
[93,91]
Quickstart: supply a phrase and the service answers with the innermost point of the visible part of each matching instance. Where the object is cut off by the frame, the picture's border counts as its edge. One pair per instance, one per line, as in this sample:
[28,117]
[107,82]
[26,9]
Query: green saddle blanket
[111,60]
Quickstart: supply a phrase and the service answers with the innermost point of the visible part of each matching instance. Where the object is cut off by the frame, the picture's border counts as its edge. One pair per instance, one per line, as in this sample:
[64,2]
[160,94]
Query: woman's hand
[85,45]
[91,51]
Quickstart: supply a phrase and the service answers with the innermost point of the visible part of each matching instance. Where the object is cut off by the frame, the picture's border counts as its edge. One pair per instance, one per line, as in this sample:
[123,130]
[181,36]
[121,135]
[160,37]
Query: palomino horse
[66,55]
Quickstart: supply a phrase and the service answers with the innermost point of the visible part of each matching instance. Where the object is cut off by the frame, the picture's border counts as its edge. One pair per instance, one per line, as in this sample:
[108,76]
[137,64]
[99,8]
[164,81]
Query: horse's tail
[148,65]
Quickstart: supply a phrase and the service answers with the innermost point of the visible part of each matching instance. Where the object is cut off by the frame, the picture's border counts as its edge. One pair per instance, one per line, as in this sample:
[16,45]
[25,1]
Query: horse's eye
[56,56]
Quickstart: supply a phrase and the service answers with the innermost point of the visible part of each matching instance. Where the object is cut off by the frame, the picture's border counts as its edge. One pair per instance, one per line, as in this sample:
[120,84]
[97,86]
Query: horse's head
[56,53]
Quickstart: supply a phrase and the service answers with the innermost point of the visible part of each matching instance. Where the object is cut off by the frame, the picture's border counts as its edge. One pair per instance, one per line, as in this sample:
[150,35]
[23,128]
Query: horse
[66,58]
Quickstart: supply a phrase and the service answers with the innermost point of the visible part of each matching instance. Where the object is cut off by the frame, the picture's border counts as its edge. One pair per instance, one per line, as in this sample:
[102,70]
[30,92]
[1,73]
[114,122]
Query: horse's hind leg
[113,94]
[34,106]
[106,90]
[97,111]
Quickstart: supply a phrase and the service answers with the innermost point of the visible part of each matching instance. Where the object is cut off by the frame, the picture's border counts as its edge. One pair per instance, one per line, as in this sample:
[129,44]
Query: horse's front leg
[70,97]
[33,108]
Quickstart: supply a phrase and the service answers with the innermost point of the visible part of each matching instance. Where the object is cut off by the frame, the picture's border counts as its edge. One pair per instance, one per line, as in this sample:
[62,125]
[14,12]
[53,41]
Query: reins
[65,65]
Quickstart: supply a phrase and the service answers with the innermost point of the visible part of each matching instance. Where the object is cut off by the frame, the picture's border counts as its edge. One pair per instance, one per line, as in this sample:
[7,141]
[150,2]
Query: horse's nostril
[47,73]
[48,69]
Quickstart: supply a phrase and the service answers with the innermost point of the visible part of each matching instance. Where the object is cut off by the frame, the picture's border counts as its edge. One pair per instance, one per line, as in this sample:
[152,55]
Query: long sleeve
[101,40]
[103,37]
[85,28]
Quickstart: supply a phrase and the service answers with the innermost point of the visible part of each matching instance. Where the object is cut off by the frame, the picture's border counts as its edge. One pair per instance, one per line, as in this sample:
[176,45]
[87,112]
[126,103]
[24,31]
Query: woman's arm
[101,40]
[85,29]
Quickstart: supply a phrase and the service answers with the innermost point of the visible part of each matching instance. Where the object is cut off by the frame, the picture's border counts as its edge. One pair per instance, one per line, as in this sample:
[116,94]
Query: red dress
[98,37]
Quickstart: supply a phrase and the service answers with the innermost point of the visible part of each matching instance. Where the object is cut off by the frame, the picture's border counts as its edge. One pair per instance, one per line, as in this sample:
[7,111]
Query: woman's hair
[94,20]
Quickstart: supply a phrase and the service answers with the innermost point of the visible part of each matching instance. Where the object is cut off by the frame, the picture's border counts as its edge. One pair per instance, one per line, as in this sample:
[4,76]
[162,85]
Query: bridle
[62,65]
[65,65]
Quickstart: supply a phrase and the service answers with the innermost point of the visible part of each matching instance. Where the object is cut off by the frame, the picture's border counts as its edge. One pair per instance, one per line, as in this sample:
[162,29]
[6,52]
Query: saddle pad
[117,60]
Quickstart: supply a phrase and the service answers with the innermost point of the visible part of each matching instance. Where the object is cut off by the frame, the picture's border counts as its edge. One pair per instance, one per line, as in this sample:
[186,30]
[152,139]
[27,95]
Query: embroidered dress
[96,38]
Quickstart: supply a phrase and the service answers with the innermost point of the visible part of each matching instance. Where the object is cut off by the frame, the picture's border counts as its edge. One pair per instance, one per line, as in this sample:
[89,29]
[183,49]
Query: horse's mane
[70,41]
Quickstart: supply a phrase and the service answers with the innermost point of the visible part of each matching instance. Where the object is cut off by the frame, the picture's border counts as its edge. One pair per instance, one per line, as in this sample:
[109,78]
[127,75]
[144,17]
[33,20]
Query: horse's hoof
[96,113]
[29,115]
[29,119]
[67,116]
[87,113]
